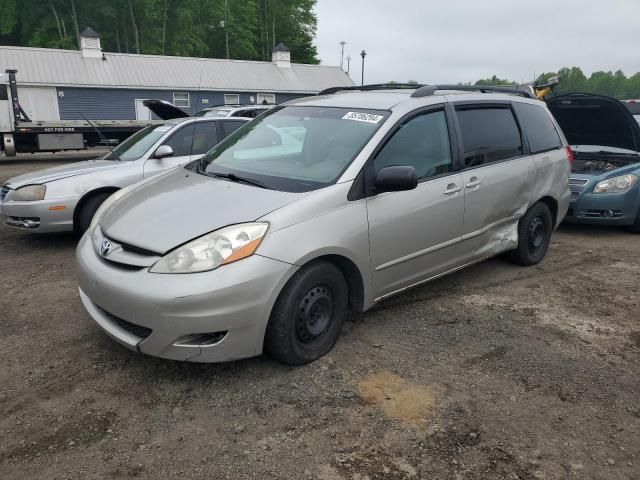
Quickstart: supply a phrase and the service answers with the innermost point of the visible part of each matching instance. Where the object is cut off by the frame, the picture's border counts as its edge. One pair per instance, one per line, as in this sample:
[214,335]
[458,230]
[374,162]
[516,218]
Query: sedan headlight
[619,184]
[221,247]
[29,193]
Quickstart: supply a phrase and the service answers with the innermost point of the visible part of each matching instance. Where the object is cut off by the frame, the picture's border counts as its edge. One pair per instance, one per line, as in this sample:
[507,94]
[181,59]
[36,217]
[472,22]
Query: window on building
[231,99]
[488,135]
[266,98]
[422,142]
[541,132]
[181,99]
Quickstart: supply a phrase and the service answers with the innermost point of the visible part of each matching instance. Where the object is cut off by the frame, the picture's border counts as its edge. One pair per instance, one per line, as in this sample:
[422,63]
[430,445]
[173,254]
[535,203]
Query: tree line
[235,29]
[614,84]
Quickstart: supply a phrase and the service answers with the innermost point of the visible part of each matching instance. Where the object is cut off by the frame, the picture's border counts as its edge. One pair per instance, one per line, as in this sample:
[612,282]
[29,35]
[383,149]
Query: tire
[635,228]
[308,315]
[87,211]
[534,235]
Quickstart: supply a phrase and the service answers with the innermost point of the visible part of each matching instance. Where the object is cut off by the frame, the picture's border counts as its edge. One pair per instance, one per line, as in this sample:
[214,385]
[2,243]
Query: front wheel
[308,315]
[88,210]
[635,228]
[534,235]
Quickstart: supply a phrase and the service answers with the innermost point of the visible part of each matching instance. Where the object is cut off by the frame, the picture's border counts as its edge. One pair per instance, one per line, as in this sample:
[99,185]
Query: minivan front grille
[132,328]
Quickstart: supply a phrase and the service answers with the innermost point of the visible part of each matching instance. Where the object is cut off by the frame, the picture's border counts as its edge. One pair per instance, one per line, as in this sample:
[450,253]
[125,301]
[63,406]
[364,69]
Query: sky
[439,41]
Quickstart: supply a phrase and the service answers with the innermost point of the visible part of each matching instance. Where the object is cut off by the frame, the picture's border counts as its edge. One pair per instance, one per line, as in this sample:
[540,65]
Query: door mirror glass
[396,179]
[163,151]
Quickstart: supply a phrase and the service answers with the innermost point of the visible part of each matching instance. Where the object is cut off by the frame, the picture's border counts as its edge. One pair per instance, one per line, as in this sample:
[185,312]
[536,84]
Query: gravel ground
[496,372]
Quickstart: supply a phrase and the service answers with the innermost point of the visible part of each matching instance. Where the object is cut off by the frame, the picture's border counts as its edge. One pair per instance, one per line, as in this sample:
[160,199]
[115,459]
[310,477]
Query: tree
[236,29]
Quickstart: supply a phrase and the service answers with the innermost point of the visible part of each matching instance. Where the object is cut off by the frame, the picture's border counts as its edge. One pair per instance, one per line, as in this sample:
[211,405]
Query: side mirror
[163,151]
[396,179]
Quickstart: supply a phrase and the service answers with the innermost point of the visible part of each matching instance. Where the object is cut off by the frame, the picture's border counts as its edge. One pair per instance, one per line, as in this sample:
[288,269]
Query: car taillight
[569,155]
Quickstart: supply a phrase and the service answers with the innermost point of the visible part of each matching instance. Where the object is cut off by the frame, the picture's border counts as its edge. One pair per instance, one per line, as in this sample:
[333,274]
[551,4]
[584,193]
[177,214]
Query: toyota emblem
[105,248]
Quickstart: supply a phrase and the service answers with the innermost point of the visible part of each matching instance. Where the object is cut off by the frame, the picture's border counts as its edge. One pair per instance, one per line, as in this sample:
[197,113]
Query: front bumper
[605,208]
[41,216]
[150,312]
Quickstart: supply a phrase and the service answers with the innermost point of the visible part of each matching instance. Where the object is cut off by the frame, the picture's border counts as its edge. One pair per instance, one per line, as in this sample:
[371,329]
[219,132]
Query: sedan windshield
[137,144]
[294,149]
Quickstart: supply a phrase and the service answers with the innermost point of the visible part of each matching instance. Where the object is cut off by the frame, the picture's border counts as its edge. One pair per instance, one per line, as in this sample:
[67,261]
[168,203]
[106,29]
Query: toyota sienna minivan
[318,209]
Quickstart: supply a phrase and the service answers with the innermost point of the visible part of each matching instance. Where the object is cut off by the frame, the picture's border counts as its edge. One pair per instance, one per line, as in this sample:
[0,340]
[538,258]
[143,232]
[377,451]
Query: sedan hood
[589,119]
[63,171]
[172,209]
[165,110]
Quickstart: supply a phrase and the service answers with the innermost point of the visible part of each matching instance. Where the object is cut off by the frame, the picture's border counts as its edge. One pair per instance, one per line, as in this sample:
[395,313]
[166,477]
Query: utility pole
[362,54]
[348,63]
[342,44]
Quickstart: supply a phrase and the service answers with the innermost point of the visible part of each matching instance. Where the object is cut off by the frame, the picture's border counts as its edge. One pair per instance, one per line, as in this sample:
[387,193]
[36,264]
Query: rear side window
[538,127]
[488,135]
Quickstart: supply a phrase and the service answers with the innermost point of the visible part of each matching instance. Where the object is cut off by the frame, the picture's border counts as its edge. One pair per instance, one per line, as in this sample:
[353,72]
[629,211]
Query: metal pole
[342,44]
[348,63]
[362,54]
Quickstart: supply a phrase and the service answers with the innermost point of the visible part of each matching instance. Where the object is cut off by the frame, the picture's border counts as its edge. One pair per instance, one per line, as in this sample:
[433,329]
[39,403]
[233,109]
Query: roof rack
[375,86]
[428,90]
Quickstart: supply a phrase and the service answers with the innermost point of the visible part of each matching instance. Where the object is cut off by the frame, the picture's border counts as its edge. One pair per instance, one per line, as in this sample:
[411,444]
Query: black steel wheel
[534,235]
[308,315]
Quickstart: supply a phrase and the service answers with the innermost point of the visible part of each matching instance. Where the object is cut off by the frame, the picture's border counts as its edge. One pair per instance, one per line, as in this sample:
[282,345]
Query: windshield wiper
[235,178]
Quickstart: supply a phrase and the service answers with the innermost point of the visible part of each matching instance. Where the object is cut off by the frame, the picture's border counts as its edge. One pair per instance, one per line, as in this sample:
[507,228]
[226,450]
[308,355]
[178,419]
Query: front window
[295,149]
[137,144]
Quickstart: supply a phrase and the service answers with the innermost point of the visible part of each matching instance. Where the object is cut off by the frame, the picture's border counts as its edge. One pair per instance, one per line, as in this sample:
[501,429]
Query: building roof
[281,47]
[44,66]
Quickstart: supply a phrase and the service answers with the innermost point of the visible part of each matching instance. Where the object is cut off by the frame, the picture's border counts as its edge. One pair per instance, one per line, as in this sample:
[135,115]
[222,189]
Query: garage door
[40,103]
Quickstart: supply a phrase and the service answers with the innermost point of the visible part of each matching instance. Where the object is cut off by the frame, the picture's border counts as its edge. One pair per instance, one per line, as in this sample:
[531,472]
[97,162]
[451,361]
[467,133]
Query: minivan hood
[589,119]
[172,209]
[63,171]
[165,110]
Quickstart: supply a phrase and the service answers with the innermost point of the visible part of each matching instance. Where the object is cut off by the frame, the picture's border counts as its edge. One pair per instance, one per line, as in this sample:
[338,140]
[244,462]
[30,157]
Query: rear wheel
[308,315]
[87,211]
[534,235]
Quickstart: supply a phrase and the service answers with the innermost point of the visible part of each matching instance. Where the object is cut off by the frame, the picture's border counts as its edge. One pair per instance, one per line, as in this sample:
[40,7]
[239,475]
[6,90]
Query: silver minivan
[319,209]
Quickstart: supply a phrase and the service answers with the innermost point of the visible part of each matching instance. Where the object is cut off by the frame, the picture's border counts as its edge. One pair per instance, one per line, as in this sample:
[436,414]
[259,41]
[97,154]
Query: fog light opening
[200,339]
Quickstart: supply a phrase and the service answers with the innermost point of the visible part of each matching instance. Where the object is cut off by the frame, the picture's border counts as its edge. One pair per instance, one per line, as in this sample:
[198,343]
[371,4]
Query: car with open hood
[605,139]
[168,111]
[65,198]
[319,208]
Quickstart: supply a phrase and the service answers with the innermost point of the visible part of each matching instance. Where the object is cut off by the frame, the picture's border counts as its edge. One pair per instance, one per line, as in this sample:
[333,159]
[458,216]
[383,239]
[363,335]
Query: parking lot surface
[496,372]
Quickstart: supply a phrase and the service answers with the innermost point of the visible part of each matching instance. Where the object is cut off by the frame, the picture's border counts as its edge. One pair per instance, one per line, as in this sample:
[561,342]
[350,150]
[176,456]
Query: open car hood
[165,110]
[589,119]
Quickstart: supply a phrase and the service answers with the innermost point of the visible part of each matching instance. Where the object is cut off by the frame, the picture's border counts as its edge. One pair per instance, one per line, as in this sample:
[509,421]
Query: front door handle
[473,182]
[452,188]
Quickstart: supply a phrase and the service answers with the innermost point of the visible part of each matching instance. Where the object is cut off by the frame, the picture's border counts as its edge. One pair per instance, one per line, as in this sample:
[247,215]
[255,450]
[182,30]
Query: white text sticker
[363,117]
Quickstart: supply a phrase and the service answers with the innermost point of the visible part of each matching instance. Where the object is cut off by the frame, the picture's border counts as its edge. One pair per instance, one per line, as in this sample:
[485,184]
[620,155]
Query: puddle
[397,397]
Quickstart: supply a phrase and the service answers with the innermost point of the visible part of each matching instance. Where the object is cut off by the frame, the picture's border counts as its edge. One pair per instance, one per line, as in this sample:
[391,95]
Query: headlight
[110,199]
[223,246]
[28,193]
[619,184]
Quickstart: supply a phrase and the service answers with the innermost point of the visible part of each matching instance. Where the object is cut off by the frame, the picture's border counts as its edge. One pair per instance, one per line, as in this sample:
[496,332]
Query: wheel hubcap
[536,235]
[314,314]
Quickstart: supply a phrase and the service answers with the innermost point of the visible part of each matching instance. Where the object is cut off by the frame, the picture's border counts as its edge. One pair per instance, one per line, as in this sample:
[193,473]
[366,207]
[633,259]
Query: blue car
[605,139]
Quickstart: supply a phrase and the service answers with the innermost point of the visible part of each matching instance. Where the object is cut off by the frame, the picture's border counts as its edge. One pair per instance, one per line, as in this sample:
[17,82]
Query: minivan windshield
[293,148]
[137,144]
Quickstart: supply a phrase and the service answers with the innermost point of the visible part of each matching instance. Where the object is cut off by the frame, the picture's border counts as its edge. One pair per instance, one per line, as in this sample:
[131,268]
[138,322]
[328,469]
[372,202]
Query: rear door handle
[452,188]
[473,183]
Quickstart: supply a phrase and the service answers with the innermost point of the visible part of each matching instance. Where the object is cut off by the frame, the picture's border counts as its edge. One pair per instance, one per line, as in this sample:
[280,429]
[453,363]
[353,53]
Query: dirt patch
[397,397]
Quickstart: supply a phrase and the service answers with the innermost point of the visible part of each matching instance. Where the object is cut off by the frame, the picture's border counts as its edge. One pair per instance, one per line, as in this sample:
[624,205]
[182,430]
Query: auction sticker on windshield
[363,117]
